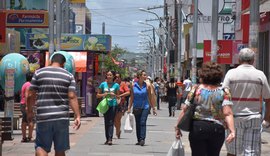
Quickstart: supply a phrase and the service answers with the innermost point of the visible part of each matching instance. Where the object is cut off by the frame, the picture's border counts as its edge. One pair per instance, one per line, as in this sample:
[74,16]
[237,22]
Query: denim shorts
[53,131]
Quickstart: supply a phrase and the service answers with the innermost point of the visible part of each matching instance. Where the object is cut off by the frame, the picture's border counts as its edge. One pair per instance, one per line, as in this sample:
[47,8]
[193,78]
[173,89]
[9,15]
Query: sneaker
[142,142]
[138,143]
[106,143]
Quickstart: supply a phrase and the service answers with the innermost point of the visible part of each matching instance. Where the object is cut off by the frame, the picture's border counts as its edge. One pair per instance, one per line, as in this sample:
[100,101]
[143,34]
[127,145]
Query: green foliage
[110,65]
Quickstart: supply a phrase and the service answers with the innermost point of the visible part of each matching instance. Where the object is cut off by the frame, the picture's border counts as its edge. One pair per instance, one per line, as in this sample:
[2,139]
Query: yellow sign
[77,1]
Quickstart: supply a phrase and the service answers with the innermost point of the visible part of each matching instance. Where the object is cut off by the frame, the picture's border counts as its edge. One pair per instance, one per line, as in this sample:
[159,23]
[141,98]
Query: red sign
[264,17]
[27,19]
[3,27]
[224,53]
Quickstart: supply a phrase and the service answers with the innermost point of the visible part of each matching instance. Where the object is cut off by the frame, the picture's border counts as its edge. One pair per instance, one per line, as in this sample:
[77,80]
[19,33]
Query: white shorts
[247,138]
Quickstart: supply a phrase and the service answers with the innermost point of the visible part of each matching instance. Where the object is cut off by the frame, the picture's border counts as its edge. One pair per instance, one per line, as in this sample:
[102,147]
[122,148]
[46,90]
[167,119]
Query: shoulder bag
[187,119]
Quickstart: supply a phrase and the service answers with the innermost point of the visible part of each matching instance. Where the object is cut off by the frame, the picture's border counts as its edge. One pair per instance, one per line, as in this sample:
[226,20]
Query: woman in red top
[124,92]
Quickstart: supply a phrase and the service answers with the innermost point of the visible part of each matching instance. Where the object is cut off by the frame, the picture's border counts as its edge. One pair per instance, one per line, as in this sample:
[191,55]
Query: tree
[112,62]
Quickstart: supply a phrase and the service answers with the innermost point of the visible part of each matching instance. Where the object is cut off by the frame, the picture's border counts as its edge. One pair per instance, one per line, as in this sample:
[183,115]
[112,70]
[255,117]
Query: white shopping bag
[129,123]
[177,149]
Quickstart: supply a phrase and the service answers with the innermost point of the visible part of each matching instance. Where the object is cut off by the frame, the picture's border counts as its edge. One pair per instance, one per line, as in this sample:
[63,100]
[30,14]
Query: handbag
[186,122]
[177,149]
[103,106]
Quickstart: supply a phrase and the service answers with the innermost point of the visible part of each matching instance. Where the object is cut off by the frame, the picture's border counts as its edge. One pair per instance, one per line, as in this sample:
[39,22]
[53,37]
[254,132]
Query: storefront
[84,49]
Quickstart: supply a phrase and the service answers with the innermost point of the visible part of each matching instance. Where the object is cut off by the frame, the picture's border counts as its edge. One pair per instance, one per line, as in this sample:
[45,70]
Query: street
[89,139]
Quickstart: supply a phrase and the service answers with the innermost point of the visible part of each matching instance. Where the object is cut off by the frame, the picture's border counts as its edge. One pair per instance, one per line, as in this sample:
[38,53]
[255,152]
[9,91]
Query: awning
[80,59]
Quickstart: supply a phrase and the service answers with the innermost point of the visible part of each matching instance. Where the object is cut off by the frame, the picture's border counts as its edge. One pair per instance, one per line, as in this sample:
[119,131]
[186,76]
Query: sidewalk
[89,139]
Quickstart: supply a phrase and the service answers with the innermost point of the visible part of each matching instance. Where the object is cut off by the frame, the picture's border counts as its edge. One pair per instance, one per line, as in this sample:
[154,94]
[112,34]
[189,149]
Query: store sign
[208,19]
[2,27]
[224,53]
[264,17]
[27,19]
[99,43]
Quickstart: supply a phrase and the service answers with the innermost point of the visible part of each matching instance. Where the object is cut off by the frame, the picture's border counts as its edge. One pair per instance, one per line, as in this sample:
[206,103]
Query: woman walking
[172,93]
[25,122]
[140,99]
[110,90]
[213,113]
[124,92]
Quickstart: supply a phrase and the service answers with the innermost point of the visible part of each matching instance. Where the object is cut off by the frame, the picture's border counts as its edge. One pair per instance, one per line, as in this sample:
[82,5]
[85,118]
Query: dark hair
[120,76]
[59,58]
[29,76]
[155,80]
[140,73]
[211,73]
[172,80]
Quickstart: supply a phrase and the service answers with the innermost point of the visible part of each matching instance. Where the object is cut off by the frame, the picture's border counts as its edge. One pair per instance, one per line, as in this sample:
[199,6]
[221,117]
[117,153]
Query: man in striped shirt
[54,89]
[249,87]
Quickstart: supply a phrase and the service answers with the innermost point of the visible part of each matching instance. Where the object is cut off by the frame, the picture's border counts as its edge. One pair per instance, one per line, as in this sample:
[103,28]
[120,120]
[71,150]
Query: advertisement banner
[98,43]
[2,27]
[27,19]
[224,53]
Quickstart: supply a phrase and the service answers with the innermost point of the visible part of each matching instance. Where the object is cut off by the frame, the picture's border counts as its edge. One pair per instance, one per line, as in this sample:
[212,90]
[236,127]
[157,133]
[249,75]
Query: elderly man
[248,87]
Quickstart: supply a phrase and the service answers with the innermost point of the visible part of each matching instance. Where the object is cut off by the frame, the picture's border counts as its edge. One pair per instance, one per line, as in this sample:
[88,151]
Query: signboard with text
[224,53]
[89,42]
[26,19]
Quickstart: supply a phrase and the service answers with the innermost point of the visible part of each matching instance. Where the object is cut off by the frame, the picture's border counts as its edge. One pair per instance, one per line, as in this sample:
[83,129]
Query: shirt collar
[246,66]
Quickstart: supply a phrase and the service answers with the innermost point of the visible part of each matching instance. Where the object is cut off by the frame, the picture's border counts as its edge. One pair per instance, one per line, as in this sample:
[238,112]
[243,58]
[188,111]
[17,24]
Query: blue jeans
[141,124]
[53,131]
[109,122]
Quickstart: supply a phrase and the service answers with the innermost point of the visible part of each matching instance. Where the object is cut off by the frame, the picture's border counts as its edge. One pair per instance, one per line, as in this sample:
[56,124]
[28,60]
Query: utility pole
[254,20]
[51,27]
[194,42]
[58,24]
[179,22]
[167,42]
[214,25]
[103,59]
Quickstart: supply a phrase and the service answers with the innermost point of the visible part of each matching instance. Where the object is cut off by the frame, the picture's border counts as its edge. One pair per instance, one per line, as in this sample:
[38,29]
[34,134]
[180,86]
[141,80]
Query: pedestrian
[110,90]
[172,93]
[23,107]
[249,86]
[212,114]
[156,85]
[140,99]
[187,85]
[124,92]
[54,88]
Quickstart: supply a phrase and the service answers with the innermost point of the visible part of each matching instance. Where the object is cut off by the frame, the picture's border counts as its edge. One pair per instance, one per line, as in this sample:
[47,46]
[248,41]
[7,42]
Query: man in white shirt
[249,87]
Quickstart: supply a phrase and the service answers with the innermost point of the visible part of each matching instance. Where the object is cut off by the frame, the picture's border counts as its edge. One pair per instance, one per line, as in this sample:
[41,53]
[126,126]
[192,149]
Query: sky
[121,20]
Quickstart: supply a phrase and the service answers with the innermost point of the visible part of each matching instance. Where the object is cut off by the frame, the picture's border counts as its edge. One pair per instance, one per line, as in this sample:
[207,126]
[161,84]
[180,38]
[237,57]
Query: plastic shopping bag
[177,149]
[103,106]
[129,123]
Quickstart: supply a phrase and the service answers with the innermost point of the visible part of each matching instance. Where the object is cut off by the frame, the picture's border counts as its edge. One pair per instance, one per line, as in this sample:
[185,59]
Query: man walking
[248,87]
[55,91]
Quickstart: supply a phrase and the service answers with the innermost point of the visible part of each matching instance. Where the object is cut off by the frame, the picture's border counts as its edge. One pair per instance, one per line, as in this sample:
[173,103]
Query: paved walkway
[89,139]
